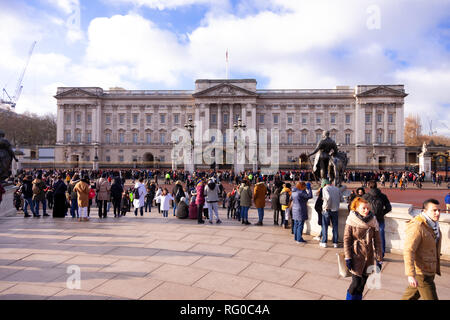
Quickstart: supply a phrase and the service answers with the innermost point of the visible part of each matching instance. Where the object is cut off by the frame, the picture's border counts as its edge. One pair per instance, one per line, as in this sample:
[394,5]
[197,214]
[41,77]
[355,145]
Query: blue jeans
[383,239]
[244,213]
[298,229]
[260,214]
[36,206]
[148,204]
[73,207]
[238,213]
[28,202]
[174,208]
[326,217]
[165,213]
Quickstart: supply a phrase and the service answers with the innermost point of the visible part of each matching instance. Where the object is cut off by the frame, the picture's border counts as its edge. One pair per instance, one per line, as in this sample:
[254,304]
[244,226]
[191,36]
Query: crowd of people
[198,197]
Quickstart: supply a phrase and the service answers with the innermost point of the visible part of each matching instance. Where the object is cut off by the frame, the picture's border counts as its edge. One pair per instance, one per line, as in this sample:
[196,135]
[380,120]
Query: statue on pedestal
[424,150]
[327,148]
[6,157]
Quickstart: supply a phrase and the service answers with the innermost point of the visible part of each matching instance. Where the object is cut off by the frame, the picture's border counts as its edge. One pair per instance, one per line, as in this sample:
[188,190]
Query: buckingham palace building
[132,128]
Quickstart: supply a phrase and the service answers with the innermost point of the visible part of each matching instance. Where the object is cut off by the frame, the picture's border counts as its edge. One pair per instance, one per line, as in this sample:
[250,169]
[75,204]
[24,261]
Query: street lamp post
[238,167]
[191,166]
[95,164]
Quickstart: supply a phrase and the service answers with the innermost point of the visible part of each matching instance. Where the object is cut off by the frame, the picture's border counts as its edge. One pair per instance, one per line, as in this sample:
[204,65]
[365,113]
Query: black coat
[116,191]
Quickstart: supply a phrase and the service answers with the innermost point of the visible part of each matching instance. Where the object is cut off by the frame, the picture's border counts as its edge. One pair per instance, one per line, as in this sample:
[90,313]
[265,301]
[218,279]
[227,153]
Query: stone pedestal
[425,166]
[95,165]
[6,206]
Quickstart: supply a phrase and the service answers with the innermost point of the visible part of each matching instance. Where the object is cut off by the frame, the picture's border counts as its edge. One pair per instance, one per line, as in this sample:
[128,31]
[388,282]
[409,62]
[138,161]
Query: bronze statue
[6,157]
[327,148]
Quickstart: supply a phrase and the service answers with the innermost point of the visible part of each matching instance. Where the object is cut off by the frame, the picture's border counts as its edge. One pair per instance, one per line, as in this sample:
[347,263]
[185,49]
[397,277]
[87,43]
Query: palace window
[391,137]
[162,138]
[68,137]
[121,118]
[78,137]
[289,137]
[261,118]
[176,118]
[108,138]
[379,137]
[368,118]
[275,119]
[162,118]
[148,118]
[347,119]
[135,138]
[368,138]
[68,118]
[289,119]
[304,138]
[347,138]
[304,119]
[333,119]
[390,117]
[88,137]
[225,118]
[148,138]
[135,118]
[379,117]
[213,118]
[120,158]
[108,158]
[89,118]
[121,137]
[318,137]
[78,118]
[318,119]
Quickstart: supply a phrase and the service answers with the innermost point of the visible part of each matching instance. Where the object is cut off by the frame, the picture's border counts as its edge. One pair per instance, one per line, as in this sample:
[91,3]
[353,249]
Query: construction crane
[10,103]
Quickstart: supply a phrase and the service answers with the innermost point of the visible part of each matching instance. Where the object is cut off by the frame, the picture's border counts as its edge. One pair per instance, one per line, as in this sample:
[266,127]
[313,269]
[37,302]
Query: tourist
[103,195]
[165,198]
[177,194]
[59,194]
[82,190]
[275,201]
[299,209]
[182,209]
[139,193]
[358,193]
[421,252]
[259,199]
[125,203]
[331,200]
[318,207]
[380,206]
[200,200]
[285,201]
[212,199]
[151,189]
[192,206]
[27,191]
[49,197]
[39,195]
[361,238]
[245,200]
[91,198]
[73,195]
[157,199]
[116,195]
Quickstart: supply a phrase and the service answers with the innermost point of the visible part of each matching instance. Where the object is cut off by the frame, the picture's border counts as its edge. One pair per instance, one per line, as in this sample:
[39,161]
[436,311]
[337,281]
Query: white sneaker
[317,238]
[323,244]
[335,245]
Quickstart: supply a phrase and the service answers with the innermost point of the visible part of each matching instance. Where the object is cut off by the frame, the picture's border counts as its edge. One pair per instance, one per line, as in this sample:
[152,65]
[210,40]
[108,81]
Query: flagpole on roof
[226,65]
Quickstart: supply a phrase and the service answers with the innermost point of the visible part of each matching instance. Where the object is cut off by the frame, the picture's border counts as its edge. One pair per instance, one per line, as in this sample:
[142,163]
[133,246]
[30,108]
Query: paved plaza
[155,258]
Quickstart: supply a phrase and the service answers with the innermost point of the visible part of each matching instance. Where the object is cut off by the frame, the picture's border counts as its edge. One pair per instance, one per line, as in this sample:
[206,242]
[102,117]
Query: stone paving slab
[154,258]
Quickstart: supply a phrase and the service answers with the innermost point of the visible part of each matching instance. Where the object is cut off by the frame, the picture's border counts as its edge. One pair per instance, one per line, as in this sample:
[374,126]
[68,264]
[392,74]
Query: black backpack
[136,193]
[180,194]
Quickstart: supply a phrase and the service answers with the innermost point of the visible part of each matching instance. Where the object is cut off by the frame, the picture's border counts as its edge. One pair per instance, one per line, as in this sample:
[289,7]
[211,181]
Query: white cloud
[169,4]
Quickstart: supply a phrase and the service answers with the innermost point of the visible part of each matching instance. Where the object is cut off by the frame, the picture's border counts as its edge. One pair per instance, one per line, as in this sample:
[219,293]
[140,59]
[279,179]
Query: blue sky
[167,44]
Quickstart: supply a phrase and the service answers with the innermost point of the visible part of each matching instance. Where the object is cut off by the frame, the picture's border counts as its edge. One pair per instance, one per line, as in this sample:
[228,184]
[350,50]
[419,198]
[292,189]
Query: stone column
[425,165]
[83,125]
[385,124]
[374,124]
[94,124]
[244,114]
[401,123]
[73,124]
[230,117]
[219,117]
[60,124]
[207,117]
[99,122]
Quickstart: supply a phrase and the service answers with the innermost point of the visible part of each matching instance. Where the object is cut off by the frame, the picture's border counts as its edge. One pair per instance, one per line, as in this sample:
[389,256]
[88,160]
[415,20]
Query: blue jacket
[299,200]
[447,198]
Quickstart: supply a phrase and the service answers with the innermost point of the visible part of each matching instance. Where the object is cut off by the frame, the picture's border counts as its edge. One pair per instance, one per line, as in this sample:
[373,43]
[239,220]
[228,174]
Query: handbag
[343,270]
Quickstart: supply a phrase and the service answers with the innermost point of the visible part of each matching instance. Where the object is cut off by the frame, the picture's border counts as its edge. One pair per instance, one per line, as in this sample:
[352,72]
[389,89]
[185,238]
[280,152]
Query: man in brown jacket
[422,251]
[259,199]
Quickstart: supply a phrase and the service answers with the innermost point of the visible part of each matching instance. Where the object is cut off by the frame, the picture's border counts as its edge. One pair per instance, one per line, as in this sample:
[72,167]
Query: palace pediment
[382,91]
[224,90]
[76,93]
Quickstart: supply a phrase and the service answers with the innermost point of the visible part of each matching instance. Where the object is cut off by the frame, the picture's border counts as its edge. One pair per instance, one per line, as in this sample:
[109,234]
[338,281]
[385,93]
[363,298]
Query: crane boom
[19,82]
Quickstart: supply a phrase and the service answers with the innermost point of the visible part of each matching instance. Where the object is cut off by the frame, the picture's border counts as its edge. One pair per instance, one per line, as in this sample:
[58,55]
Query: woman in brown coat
[103,195]
[361,239]
[82,189]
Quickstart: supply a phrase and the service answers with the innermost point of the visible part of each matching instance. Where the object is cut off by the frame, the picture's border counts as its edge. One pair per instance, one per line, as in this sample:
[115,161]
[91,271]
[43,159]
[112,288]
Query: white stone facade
[133,127]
